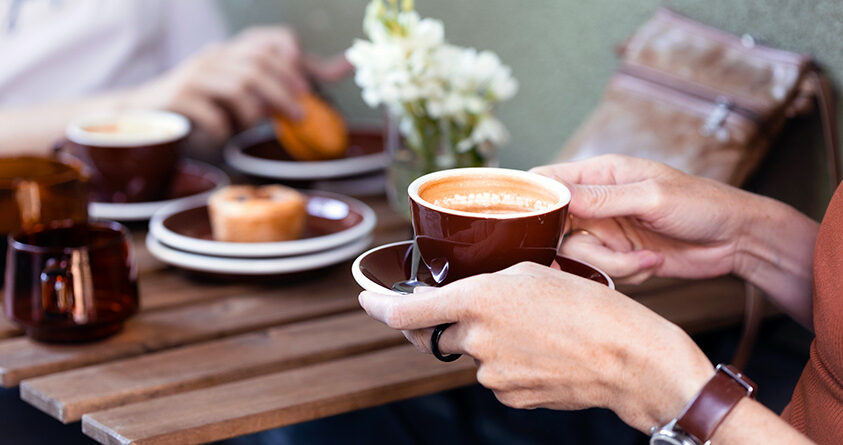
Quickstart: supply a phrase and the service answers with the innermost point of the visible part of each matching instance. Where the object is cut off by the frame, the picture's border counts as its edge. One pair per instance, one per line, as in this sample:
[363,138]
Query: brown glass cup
[71,282]
[131,156]
[504,217]
[35,190]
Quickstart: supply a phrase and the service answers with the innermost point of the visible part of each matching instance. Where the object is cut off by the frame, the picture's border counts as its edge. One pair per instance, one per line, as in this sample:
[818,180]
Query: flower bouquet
[439,98]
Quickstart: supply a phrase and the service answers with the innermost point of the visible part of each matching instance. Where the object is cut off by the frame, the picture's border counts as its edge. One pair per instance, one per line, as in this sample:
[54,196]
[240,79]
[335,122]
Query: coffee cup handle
[57,288]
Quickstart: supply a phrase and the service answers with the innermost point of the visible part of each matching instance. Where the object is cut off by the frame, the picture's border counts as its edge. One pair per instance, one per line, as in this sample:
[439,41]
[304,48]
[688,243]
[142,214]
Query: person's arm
[775,252]
[221,88]
[642,218]
[545,338]
[35,129]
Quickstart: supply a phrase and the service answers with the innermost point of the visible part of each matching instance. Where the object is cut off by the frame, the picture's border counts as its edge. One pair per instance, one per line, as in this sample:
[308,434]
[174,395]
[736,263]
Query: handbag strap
[828,117]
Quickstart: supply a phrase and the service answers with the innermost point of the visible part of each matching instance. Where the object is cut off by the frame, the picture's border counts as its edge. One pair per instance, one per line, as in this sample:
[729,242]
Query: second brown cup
[470,221]
[131,156]
[69,282]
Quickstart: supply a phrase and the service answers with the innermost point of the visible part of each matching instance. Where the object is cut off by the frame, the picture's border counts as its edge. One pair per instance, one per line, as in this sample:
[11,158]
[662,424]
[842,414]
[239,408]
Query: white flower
[488,130]
[407,67]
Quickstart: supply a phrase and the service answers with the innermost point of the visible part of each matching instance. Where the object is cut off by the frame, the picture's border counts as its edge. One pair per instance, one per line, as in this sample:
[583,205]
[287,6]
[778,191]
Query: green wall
[560,51]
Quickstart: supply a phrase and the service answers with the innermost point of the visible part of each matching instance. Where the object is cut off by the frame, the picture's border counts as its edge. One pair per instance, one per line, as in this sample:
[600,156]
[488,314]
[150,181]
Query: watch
[700,419]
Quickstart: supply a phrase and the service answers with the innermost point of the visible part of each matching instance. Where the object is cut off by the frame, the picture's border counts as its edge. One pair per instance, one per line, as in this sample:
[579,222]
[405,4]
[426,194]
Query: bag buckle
[715,120]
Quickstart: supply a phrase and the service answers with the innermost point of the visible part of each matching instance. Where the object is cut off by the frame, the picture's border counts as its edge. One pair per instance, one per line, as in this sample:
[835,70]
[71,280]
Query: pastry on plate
[249,214]
[320,134]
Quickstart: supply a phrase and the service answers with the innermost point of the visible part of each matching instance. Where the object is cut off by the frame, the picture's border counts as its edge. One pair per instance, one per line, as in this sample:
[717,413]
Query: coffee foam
[492,192]
[130,128]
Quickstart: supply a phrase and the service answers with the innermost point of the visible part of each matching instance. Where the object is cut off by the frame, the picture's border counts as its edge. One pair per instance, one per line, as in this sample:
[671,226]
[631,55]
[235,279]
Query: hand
[235,84]
[642,218]
[545,338]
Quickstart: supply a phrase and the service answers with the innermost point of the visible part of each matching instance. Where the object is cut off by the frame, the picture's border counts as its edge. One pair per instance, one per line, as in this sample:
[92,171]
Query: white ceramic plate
[333,210]
[255,266]
[236,156]
[141,211]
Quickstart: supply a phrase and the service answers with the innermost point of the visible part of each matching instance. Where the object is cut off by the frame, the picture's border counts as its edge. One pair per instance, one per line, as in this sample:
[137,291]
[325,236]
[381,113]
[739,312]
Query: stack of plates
[338,229]
[256,152]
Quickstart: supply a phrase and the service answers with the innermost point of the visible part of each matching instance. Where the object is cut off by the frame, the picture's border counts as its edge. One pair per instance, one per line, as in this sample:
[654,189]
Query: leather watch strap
[714,402]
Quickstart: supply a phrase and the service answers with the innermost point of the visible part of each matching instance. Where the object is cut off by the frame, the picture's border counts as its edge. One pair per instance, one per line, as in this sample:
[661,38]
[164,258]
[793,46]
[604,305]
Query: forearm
[775,252]
[751,422]
[34,129]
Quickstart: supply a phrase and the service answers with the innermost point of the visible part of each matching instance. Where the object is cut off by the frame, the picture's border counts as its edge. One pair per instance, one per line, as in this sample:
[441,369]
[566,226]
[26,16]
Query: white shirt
[63,49]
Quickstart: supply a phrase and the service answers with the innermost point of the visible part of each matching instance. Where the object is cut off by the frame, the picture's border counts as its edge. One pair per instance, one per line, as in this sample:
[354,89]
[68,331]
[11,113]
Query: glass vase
[435,153]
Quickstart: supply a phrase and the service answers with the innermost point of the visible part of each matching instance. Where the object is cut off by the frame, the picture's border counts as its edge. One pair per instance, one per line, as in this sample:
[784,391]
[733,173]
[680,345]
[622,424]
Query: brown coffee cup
[131,156]
[36,190]
[477,220]
[71,282]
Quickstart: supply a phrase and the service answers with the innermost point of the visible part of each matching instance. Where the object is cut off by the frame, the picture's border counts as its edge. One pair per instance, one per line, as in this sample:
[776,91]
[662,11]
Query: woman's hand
[545,338]
[235,84]
[641,218]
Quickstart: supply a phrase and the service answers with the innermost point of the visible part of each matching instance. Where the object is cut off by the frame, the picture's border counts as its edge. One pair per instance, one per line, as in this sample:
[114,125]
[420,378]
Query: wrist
[767,229]
[665,382]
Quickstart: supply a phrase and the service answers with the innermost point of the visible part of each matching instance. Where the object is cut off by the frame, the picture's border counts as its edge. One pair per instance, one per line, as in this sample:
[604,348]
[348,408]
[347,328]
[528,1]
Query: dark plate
[257,152]
[193,178]
[378,269]
[332,220]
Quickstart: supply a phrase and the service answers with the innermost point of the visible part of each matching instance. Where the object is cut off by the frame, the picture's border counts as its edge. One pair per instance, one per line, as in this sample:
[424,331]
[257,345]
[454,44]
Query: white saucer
[295,170]
[255,266]
[141,211]
[185,226]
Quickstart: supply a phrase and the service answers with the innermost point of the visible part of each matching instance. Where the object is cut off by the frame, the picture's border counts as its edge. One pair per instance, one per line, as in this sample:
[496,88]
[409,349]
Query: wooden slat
[7,329]
[68,395]
[169,288]
[699,306]
[21,358]
[280,399]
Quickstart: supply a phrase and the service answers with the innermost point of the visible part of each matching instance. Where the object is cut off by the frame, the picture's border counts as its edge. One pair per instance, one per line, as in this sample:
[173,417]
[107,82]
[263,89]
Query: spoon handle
[414,262]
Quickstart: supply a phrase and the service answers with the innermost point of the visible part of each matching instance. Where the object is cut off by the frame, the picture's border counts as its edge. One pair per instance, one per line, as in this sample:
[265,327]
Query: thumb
[617,264]
[332,69]
[609,201]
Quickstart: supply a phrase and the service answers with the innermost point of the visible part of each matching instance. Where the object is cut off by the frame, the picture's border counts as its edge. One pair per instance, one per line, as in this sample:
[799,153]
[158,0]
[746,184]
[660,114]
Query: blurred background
[562,53]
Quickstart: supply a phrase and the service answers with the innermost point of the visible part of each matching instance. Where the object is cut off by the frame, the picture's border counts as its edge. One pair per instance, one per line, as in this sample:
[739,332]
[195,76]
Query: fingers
[607,169]
[276,94]
[332,69]
[450,342]
[617,264]
[414,311]
[207,116]
[608,201]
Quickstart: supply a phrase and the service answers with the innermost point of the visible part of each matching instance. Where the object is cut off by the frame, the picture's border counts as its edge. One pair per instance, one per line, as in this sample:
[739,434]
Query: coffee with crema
[129,129]
[499,194]
[470,221]
[132,156]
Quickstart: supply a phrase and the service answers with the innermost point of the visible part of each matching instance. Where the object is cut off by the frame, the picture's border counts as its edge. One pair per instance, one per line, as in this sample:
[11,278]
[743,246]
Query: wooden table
[206,360]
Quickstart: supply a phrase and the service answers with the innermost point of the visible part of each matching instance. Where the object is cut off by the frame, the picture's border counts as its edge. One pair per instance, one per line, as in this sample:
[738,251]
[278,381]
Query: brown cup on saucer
[71,282]
[476,220]
[131,156]
[35,190]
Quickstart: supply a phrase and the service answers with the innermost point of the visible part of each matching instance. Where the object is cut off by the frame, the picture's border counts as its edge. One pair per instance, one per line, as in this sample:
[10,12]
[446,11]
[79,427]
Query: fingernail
[647,258]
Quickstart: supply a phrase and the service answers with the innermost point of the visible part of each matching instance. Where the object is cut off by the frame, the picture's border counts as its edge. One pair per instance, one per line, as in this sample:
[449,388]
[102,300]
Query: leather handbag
[709,103]
[702,100]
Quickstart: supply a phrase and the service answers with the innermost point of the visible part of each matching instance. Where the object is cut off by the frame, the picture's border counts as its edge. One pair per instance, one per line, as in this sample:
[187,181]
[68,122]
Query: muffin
[248,214]
[320,134]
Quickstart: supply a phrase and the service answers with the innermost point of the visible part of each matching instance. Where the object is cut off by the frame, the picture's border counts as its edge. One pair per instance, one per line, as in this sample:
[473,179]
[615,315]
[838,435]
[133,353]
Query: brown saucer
[379,268]
[332,220]
[256,152]
[193,178]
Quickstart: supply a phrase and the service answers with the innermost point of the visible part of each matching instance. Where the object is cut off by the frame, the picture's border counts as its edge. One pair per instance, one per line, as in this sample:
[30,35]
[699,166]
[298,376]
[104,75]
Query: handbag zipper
[723,104]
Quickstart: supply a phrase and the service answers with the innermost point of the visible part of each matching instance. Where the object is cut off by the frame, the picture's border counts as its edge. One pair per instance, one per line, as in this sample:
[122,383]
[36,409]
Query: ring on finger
[434,344]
